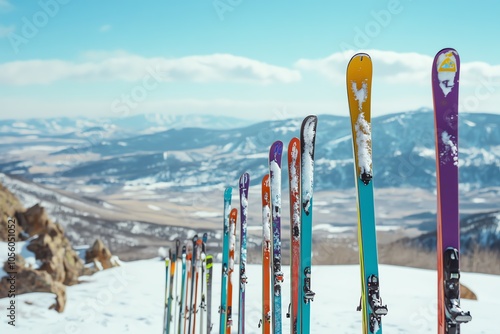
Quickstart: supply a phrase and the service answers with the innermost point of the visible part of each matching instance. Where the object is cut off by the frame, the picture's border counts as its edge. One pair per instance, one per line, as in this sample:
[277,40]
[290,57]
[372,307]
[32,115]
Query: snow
[294,185]
[21,247]
[154,207]
[266,222]
[450,146]
[332,229]
[275,188]
[363,129]
[307,181]
[363,142]
[206,214]
[360,94]
[130,299]
[469,123]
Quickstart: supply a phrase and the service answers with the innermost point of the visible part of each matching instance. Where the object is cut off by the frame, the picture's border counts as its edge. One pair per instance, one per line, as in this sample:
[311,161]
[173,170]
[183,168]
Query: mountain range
[205,152]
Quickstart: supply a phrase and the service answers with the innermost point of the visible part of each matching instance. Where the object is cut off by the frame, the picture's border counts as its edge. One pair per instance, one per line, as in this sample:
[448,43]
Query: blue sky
[253,59]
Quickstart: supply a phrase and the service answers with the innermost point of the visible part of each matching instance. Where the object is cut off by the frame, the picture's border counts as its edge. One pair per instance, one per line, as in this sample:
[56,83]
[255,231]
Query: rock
[32,280]
[100,255]
[9,205]
[34,220]
[466,293]
[58,259]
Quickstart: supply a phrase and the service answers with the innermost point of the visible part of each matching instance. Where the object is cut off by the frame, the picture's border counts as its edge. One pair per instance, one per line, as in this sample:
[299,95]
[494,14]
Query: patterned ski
[266,255]
[165,313]
[244,184]
[233,216]
[209,292]
[203,303]
[295,211]
[275,180]
[182,302]
[307,144]
[225,261]
[192,306]
[445,81]
[359,80]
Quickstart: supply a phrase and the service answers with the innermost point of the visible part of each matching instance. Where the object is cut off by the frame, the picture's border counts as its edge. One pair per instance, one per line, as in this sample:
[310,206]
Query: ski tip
[228,193]
[244,179]
[361,56]
[276,150]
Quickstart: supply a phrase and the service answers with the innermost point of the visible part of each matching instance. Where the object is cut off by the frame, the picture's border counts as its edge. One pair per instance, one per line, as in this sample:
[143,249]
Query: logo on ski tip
[448,64]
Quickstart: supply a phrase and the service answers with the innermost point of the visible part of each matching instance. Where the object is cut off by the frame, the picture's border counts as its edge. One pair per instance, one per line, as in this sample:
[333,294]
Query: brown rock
[53,249]
[31,280]
[9,205]
[466,293]
[34,220]
[100,253]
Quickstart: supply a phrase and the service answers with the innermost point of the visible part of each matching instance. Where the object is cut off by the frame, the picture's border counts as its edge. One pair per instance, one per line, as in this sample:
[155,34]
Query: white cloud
[252,109]
[132,68]
[105,28]
[398,68]
[6,30]
[5,5]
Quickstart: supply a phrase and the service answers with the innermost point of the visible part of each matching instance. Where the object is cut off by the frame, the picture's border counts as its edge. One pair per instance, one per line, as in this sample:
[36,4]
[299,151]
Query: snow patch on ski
[308,164]
[363,142]
[294,184]
[451,147]
[276,186]
[267,225]
[360,94]
[232,244]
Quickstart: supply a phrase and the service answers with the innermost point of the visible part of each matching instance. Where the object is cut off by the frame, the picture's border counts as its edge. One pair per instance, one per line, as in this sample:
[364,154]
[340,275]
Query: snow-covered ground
[129,299]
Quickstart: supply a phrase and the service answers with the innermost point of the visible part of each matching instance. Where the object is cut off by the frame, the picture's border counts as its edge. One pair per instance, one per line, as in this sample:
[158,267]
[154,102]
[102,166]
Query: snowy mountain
[130,299]
[193,157]
[477,230]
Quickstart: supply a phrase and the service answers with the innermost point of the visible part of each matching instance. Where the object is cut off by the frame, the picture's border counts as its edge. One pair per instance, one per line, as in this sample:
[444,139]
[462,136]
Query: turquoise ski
[225,260]
[307,144]
[359,80]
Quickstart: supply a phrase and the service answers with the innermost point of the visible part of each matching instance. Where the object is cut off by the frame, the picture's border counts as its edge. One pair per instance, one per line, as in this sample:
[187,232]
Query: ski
[244,184]
[203,302]
[168,318]
[209,292]
[266,256]
[294,190]
[189,276]
[307,144]
[176,294]
[445,82]
[165,312]
[359,80]
[275,153]
[225,258]
[182,302]
[233,216]
[192,306]
[198,248]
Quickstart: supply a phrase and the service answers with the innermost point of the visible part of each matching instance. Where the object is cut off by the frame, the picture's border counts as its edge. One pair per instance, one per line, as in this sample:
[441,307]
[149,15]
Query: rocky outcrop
[31,280]
[58,265]
[466,293]
[34,220]
[9,205]
[100,256]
